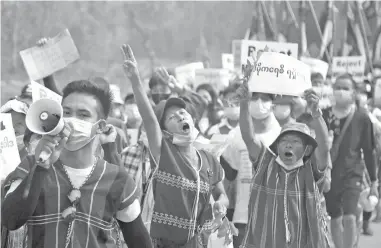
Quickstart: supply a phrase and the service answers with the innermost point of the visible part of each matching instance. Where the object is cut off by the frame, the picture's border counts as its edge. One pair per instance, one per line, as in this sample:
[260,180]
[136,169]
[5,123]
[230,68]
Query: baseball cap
[162,106]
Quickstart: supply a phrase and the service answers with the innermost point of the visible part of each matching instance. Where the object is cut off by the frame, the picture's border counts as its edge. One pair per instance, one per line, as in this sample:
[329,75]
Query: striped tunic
[108,190]
[285,205]
[180,193]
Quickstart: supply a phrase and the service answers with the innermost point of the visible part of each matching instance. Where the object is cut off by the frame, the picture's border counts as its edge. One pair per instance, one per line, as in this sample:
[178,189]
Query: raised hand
[312,99]
[43,41]
[130,66]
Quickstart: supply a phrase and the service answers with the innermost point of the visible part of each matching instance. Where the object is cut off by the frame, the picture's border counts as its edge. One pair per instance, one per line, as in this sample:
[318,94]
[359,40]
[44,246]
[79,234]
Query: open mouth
[186,128]
[288,154]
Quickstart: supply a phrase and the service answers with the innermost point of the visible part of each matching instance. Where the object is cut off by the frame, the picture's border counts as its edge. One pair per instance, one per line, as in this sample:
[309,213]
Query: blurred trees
[99,28]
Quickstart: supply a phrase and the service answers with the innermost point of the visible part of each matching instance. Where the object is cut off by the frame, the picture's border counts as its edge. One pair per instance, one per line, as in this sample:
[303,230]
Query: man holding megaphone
[74,194]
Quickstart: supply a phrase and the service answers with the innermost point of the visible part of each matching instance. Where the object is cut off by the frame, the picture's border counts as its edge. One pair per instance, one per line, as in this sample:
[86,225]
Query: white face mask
[281,112]
[182,139]
[132,112]
[81,135]
[298,163]
[232,113]
[260,109]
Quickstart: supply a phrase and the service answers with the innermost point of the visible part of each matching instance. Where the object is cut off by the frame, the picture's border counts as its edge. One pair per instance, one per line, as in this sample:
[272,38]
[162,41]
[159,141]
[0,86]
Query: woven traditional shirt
[181,193]
[284,206]
[107,190]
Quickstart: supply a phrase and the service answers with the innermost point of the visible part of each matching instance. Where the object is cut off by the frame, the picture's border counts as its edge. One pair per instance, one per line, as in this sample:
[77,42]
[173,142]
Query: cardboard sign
[9,154]
[377,93]
[280,74]
[39,92]
[55,55]
[354,65]
[316,65]
[218,78]
[227,61]
[242,49]
[186,74]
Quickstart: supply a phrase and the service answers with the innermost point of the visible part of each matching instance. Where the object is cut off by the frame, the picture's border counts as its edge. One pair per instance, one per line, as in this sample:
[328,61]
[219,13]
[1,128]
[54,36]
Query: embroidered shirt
[181,194]
[284,206]
[108,190]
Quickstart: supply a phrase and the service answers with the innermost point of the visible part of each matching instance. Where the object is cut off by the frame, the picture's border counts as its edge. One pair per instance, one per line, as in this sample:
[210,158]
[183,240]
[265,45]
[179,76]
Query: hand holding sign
[43,41]
[130,66]
[312,100]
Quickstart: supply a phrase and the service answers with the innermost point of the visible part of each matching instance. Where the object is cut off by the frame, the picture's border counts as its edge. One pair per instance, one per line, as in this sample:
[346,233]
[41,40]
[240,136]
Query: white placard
[354,65]
[218,78]
[377,93]
[227,61]
[9,154]
[39,92]
[133,135]
[185,74]
[242,49]
[55,55]
[316,65]
[277,73]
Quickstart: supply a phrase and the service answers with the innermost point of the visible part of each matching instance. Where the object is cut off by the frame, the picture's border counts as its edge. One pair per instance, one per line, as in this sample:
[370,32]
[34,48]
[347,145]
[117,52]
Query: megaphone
[45,116]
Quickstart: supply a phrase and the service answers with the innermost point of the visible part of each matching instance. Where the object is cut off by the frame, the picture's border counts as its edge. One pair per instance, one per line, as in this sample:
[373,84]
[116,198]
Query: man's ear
[101,126]
[309,150]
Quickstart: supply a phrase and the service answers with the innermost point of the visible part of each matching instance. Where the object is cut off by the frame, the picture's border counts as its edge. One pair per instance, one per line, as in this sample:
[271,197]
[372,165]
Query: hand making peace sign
[130,66]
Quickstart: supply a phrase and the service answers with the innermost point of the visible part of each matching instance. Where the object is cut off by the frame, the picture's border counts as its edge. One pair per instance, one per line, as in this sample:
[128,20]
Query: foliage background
[174,29]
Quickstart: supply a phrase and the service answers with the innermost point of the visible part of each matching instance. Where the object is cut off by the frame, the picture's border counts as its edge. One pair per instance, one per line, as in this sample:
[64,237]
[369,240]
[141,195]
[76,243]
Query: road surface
[375,240]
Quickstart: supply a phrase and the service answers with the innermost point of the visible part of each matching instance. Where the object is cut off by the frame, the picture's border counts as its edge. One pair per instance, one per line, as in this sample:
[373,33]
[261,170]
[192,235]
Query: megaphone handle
[44,155]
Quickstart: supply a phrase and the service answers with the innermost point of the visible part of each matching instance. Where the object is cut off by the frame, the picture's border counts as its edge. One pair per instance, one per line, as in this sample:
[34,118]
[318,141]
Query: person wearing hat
[284,207]
[186,177]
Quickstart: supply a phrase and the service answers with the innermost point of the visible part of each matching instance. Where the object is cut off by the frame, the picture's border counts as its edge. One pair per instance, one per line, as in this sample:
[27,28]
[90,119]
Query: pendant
[74,196]
[69,213]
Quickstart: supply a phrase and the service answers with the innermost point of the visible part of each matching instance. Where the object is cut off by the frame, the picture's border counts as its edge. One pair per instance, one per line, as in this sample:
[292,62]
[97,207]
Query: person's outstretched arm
[150,122]
[253,144]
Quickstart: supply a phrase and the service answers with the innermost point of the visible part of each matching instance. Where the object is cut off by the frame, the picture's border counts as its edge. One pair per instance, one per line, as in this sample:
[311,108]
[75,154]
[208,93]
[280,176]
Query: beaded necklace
[74,197]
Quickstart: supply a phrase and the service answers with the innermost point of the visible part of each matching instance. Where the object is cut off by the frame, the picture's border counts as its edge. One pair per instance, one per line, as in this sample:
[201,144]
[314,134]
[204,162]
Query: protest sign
[377,93]
[9,154]
[277,73]
[218,78]
[316,65]
[39,92]
[227,61]
[186,74]
[355,65]
[56,54]
[242,49]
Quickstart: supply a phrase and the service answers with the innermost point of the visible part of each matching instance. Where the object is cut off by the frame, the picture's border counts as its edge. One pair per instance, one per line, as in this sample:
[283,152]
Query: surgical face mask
[183,139]
[281,112]
[82,134]
[158,97]
[298,163]
[260,109]
[232,113]
[132,112]
[342,96]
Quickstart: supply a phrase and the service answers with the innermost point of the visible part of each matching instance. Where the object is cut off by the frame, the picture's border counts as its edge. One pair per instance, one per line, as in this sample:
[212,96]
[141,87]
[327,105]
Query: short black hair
[350,77]
[129,97]
[230,89]
[103,94]
[316,75]
[209,88]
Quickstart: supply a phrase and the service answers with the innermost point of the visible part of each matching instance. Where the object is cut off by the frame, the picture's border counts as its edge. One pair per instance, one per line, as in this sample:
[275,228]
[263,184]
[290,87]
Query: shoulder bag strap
[336,145]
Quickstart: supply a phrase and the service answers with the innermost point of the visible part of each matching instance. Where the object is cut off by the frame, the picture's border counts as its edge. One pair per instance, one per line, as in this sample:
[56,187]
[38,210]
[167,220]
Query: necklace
[74,197]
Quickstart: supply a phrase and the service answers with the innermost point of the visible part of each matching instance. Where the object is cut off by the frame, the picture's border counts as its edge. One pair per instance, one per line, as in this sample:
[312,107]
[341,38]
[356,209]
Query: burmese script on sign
[277,73]
[55,55]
